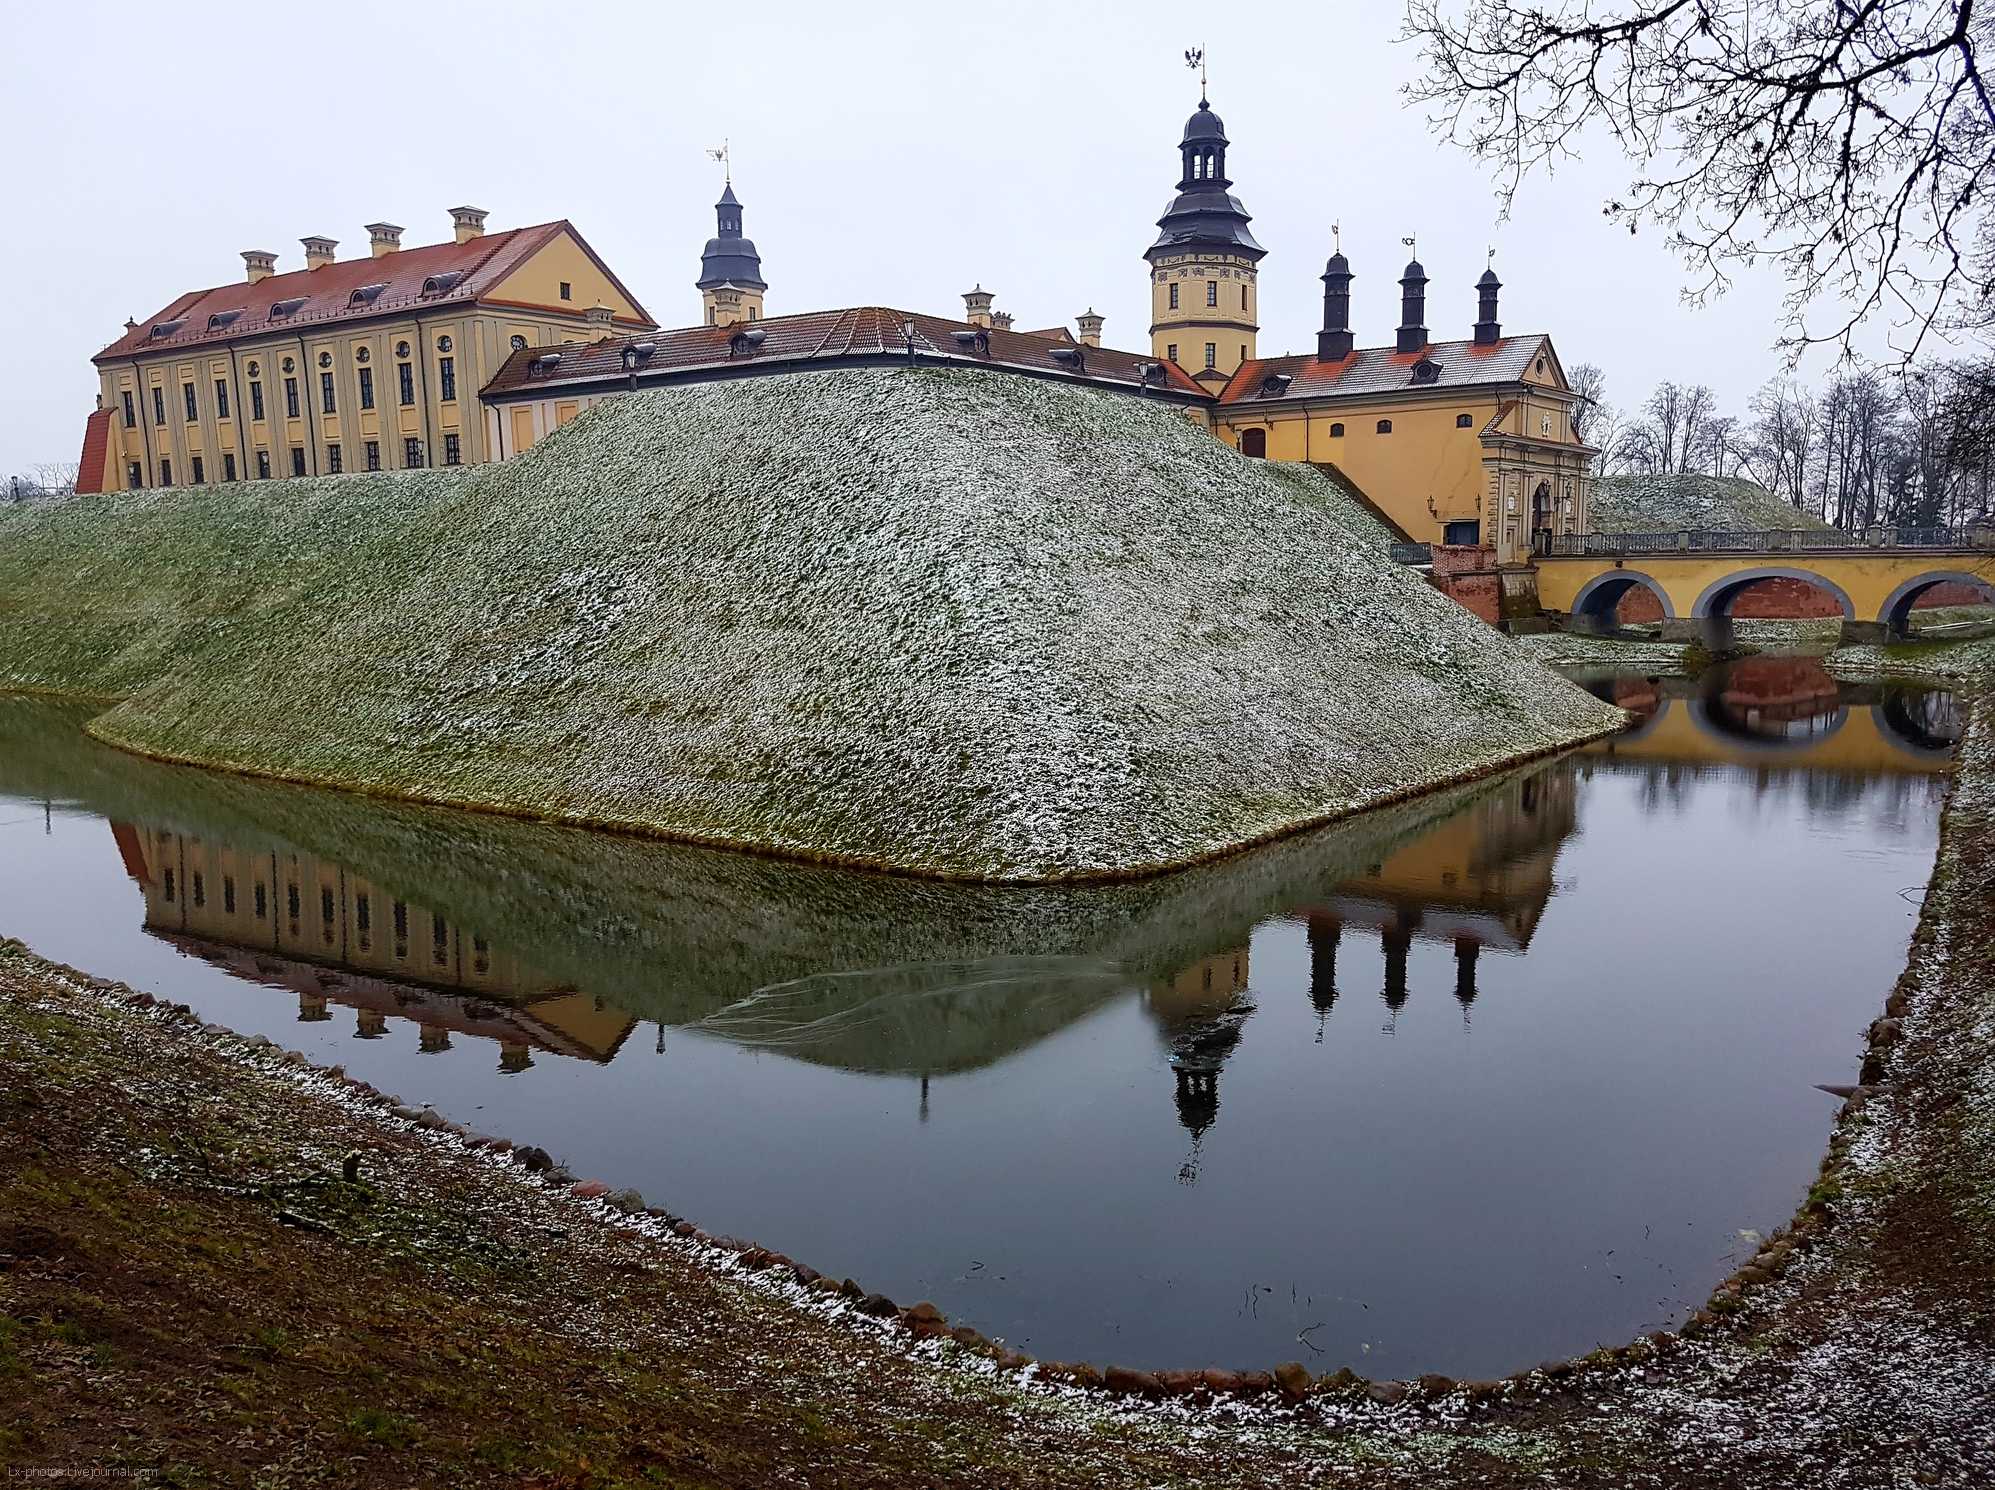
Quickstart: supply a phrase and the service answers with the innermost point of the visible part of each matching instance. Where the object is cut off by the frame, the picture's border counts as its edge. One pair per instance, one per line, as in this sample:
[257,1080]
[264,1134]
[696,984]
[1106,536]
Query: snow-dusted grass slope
[945,621]
[1670,504]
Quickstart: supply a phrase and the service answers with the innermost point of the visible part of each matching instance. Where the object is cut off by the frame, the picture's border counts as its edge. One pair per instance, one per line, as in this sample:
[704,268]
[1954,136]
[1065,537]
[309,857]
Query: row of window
[1211,353]
[412,458]
[363,916]
[446,372]
[1211,294]
[1255,441]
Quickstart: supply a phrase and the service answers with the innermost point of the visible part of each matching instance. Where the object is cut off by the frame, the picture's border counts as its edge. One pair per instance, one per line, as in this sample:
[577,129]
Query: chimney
[601,321]
[1090,325]
[383,238]
[319,251]
[1333,342]
[977,306]
[260,263]
[468,223]
[1412,308]
[1488,330]
[1001,320]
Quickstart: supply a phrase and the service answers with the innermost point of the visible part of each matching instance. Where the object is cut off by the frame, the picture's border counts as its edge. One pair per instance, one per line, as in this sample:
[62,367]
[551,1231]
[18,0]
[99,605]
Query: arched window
[1464,421]
[1336,431]
[1254,443]
[1385,426]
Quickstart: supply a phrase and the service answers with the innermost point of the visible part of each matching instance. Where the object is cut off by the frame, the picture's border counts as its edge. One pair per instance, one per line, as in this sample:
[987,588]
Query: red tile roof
[866,332]
[1375,370]
[96,451]
[327,292]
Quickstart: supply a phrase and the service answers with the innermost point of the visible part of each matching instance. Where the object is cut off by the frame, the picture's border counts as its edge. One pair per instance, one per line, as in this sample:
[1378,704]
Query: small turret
[977,306]
[1090,326]
[1488,330]
[1413,308]
[1334,341]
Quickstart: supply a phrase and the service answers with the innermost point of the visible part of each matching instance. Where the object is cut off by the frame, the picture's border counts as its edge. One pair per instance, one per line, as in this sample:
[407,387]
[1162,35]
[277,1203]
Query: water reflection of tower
[1325,932]
[1199,1014]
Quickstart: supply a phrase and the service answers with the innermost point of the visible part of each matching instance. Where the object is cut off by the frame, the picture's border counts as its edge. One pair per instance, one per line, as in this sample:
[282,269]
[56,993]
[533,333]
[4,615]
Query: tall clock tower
[1204,301]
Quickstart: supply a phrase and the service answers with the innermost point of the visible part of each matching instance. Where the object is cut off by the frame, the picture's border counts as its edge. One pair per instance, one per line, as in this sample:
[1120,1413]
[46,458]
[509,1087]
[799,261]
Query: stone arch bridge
[1874,579]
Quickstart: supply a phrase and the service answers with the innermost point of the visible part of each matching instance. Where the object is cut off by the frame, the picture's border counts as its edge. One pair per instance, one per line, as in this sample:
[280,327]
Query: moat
[1494,1076]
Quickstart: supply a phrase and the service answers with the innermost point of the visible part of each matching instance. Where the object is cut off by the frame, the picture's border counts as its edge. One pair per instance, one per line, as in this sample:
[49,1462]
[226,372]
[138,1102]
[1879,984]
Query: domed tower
[1204,303]
[730,282]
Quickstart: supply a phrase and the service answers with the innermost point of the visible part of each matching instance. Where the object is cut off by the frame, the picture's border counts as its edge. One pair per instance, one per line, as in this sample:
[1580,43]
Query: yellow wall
[1231,326]
[481,337]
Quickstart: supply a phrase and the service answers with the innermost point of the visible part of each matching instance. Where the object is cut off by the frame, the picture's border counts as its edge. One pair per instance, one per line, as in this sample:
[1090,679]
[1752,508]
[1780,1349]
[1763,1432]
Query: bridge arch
[1897,609]
[1721,722]
[1717,597]
[1924,725]
[1601,596]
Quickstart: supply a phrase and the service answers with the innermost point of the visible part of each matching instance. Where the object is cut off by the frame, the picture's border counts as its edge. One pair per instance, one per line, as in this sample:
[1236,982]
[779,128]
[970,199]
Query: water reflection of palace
[290,920]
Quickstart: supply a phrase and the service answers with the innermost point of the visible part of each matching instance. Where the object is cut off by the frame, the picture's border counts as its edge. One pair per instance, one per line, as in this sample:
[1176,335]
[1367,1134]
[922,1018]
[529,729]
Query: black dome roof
[1204,125]
[1413,270]
[1489,278]
[1338,265]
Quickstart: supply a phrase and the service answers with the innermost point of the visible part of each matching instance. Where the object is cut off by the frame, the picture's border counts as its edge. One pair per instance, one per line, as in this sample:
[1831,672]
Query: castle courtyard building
[344,365]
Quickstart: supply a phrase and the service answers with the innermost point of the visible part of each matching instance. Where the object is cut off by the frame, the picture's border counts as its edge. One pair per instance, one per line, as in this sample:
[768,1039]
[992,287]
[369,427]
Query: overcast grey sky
[885,154]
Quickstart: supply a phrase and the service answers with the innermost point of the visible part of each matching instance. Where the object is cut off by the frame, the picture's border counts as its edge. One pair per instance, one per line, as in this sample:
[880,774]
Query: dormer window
[544,364]
[1426,370]
[163,329]
[1072,357]
[366,294]
[223,318]
[745,342]
[973,339]
[283,308]
[442,284]
[1274,385]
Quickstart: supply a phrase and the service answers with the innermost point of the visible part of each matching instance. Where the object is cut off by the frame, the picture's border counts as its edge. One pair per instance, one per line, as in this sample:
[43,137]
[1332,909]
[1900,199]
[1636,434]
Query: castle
[473,349]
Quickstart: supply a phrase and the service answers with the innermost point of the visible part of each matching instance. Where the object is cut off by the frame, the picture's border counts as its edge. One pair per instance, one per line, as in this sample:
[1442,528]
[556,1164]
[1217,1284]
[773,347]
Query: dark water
[1491,1077]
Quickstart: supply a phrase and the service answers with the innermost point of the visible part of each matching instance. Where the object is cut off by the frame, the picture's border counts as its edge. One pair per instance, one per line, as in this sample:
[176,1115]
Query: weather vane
[1337,236]
[1492,256]
[1410,244]
[1196,58]
[726,161]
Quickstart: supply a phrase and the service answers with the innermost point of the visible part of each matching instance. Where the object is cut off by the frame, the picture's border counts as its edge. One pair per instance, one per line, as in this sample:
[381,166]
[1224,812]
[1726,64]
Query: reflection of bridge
[1786,712]
[1697,577]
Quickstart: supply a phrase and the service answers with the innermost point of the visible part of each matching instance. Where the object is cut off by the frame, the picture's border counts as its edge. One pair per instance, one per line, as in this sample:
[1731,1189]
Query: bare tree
[56,475]
[1852,143]
[1781,438]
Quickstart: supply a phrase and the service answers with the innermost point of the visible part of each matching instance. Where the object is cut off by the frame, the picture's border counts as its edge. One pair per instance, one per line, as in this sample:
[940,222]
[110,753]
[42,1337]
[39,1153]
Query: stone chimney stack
[383,238]
[468,222]
[1413,308]
[261,263]
[1334,341]
[602,321]
[1488,330]
[1001,320]
[1090,325]
[319,251]
[977,306]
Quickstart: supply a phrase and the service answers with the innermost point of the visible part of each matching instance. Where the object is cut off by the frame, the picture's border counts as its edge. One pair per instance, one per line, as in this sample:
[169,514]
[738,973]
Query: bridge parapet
[1972,537]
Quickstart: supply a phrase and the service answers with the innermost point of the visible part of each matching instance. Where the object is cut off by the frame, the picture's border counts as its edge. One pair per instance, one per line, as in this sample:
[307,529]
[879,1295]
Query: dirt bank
[194,1292]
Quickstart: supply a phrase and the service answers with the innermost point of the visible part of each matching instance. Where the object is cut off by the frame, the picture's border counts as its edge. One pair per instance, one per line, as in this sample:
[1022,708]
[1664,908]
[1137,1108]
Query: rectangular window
[200,890]
[452,454]
[367,388]
[406,373]
[373,455]
[1171,352]
[333,463]
[1174,297]
[262,901]
[158,405]
[263,465]
[439,941]
[131,414]
[1462,534]
[166,473]
[412,453]
[1212,354]
[1212,292]
[169,884]
[326,403]
[134,475]
[297,460]
[193,411]
[567,290]
[1243,297]
[256,400]
[446,377]
[291,397]
[229,894]
[200,470]
[221,398]
[228,465]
